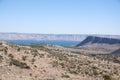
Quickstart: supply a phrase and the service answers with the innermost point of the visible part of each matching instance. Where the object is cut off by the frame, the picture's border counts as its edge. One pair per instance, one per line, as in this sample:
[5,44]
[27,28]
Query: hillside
[116,51]
[100,44]
[99,40]
[52,62]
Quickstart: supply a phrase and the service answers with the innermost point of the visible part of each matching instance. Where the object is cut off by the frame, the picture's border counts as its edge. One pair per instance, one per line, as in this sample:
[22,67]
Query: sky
[60,16]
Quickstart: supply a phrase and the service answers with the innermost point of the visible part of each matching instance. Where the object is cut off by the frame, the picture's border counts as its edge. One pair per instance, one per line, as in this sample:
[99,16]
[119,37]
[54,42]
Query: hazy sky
[60,16]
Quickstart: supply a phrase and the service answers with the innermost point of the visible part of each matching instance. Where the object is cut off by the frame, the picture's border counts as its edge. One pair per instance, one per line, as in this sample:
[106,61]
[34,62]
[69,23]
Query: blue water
[55,42]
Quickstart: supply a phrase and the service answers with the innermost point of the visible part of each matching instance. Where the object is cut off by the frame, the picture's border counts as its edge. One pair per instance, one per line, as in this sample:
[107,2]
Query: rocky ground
[51,62]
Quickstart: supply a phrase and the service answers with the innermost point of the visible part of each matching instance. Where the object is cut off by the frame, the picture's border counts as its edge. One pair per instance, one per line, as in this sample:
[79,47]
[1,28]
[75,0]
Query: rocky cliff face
[99,40]
[106,45]
[116,51]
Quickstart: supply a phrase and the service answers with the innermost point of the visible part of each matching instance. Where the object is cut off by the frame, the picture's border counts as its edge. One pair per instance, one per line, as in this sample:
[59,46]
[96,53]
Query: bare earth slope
[40,62]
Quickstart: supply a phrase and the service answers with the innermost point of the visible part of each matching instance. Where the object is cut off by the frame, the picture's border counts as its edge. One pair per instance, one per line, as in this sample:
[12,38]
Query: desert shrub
[86,72]
[34,53]
[73,72]
[18,49]
[55,63]
[65,76]
[30,74]
[0,43]
[35,66]
[5,50]
[36,76]
[33,60]
[95,72]
[19,64]
[94,67]
[107,77]
[11,56]
[1,58]
[41,55]
[24,58]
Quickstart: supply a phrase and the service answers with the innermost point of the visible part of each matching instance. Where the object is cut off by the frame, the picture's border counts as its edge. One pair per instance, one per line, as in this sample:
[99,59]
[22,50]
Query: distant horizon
[57,33]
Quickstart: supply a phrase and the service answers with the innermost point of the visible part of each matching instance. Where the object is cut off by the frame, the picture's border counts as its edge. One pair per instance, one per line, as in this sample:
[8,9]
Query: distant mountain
[99,40]
[116,51]
[100,44]
[70,37]
[27,36]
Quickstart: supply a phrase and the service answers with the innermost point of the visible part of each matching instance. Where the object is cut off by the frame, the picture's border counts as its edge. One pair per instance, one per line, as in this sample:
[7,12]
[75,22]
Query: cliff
[116,51]
[100,44]
[99,40]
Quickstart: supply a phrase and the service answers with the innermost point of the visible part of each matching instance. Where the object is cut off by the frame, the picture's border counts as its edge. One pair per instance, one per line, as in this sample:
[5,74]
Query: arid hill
[100,44]
[52,62]
[99,40]
[116,51]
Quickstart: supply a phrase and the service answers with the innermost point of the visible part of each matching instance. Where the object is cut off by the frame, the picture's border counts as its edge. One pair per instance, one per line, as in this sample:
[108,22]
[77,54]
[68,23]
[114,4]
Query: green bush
[19,64]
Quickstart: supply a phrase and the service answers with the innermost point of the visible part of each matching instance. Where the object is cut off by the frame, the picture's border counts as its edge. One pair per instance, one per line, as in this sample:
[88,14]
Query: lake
[55,42]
